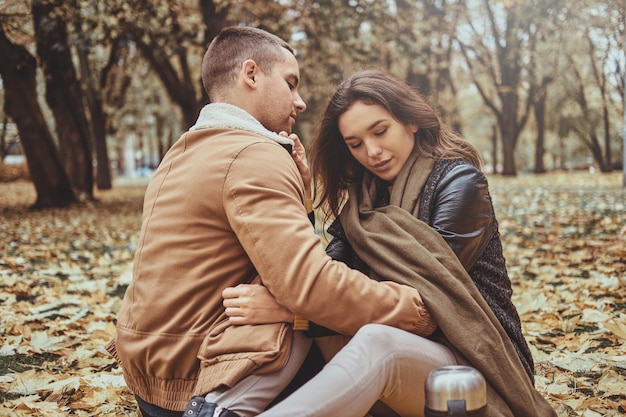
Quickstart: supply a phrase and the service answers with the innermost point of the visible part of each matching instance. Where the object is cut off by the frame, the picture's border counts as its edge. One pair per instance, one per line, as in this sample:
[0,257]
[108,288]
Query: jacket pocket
[267,346]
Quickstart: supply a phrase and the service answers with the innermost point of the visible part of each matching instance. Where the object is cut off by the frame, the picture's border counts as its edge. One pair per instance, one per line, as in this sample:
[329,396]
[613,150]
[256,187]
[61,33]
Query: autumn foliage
[63,273]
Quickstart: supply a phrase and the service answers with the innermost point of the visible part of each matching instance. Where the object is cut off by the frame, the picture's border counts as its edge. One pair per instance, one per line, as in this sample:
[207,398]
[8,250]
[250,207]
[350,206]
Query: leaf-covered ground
[63,272]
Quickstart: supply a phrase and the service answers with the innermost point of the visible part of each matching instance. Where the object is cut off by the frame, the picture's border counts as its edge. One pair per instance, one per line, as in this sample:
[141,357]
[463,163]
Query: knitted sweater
[489,271]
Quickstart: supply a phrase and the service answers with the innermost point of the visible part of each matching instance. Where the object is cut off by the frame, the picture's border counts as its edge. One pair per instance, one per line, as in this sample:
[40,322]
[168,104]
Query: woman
[455,199]
[399,183]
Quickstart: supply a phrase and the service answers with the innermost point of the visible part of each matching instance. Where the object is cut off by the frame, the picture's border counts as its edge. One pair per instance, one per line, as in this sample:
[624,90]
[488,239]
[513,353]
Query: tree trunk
[510,126]
[606,164]
[596,152]
[18,69]
[540,118]
[509,131]
[3,137]
[103,169]
[608,158]
[63,94]
[494,148]
[98,121]
[508,156]
[506,70]
[419,81]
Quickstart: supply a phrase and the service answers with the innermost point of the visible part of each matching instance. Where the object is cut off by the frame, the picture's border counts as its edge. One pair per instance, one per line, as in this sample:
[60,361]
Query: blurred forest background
[95,89]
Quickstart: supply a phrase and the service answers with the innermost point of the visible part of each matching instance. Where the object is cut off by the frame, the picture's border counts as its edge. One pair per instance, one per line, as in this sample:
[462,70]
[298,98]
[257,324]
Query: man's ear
[249,72]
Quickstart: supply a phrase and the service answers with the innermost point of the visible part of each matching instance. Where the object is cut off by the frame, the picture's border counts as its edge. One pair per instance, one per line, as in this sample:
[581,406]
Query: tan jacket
[222,204]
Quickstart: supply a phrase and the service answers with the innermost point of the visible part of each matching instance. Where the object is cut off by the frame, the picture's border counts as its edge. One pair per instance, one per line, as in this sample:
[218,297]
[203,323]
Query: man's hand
[253,304]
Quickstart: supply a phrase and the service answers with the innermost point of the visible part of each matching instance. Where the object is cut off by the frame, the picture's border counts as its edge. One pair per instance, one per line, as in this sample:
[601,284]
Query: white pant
[254,393]
[379,363]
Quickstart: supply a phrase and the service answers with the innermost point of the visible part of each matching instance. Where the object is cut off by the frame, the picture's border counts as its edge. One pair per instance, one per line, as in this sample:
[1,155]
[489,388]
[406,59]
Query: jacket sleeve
[337,250]
[463,212]
[264,203]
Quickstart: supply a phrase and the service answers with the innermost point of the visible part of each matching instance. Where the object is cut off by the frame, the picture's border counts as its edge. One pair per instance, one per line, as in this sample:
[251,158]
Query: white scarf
[227,116]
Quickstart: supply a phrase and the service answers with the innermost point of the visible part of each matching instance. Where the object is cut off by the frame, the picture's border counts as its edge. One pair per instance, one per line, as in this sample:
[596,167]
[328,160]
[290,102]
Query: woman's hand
[299,156]
[253,304]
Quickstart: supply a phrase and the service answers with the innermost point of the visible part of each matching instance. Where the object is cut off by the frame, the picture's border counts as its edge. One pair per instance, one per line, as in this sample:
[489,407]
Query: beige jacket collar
[228,116]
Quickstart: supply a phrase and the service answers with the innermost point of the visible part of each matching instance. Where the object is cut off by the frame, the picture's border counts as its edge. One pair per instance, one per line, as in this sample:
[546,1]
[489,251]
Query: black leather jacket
[456,202]
[460,209]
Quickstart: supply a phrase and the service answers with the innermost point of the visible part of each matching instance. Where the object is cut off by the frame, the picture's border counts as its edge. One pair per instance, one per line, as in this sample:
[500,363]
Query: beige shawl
[399,247]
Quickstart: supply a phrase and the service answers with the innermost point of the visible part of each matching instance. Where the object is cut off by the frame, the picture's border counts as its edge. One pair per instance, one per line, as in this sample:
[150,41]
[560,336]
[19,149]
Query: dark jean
[151,410]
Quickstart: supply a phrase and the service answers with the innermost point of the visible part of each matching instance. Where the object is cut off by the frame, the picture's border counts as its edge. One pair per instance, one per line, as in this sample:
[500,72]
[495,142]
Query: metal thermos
[455,391]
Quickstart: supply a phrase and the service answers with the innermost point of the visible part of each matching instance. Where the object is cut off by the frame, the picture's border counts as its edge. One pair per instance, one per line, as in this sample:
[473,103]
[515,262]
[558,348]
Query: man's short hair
[230,48]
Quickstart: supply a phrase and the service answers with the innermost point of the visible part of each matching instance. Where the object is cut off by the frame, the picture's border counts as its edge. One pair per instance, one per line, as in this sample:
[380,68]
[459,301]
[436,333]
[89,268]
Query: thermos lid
[455,382]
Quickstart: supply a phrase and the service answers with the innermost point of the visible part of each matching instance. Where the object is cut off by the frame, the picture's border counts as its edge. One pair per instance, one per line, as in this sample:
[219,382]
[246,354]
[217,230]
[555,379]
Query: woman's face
[378,141]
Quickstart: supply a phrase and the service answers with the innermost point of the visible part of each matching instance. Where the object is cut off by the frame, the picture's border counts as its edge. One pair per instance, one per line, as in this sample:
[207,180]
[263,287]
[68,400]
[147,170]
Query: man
[227,203]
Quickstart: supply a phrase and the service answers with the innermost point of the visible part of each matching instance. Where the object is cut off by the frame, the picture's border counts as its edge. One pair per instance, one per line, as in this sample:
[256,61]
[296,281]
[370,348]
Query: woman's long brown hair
[334,167]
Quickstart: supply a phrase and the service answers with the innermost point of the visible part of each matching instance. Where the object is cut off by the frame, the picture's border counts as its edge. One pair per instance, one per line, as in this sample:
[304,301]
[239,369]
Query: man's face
[279,101]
